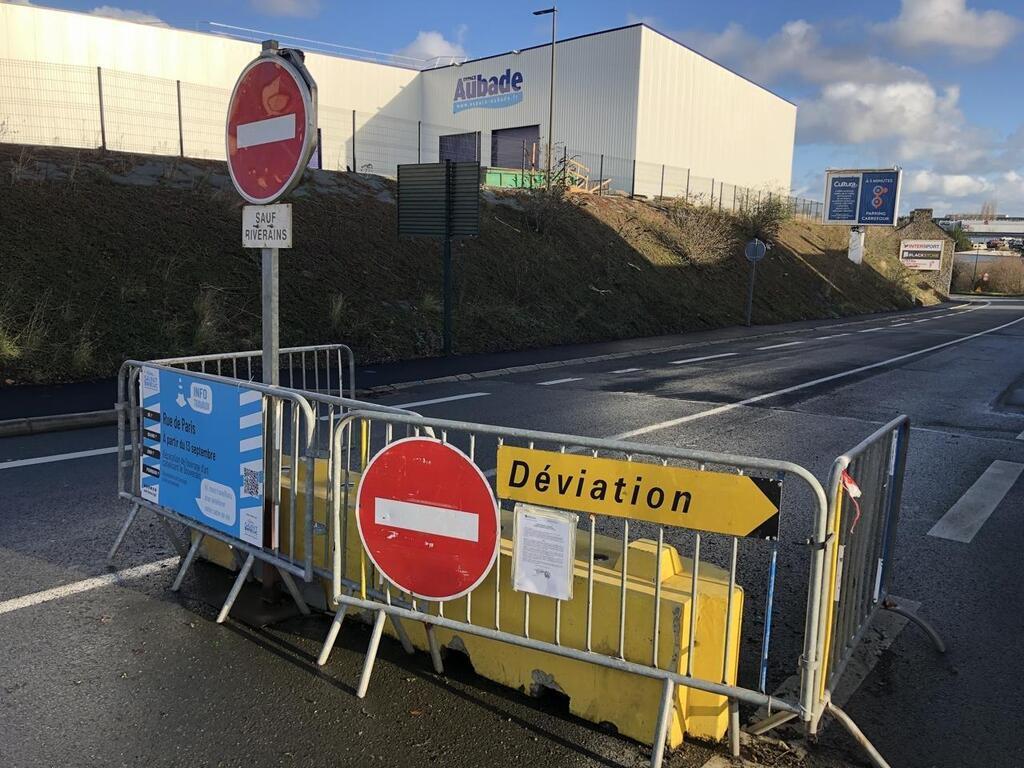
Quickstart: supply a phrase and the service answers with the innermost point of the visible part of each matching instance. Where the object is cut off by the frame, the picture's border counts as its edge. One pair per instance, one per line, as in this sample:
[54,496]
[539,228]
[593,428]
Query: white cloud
[305,9]
[949,25]
[956,185]
[432,45]
[127,14]
[795,50]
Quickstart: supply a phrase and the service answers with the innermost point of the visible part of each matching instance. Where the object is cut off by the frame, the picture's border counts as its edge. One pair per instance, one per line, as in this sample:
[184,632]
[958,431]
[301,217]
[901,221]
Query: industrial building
[634,109]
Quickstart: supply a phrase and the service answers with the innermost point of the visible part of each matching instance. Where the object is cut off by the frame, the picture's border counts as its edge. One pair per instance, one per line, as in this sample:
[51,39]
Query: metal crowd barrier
[865,491]
[294,447]
[371,592]
[306,421]
[849,551]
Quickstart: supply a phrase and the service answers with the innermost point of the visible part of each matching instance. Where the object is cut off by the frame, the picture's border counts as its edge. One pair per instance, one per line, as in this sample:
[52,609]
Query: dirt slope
[107,256]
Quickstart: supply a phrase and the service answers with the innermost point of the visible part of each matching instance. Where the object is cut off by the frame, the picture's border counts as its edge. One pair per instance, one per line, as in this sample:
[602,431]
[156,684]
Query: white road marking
[426,518]
[871,330]
[925,320]
[805,385]
[627,370]
[266,131]
[897,325]
[436,400]
[700,359]
[86,585]
[965,518]
[833,336]
[421,403]
[1020,436]
[15,463]
[780,346]
[559,381]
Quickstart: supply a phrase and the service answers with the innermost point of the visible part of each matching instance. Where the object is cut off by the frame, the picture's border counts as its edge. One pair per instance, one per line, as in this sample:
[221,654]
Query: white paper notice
[544,551]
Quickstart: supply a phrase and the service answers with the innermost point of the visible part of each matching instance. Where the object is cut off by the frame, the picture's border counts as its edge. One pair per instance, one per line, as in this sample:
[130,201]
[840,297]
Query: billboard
[922,255]
[202,451]
[862,197]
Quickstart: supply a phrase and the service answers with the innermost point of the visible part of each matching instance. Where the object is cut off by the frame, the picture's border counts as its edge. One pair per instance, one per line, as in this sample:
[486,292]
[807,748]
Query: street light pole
[551,96]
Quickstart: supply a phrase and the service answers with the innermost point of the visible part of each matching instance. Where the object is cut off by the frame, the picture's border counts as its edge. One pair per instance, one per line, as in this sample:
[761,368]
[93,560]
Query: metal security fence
[569,628]
[628,614]
[865,493]
[93,107]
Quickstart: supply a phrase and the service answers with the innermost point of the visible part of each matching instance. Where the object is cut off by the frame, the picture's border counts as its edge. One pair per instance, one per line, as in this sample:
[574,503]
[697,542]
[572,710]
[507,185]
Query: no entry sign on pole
[271,125]
[428,519]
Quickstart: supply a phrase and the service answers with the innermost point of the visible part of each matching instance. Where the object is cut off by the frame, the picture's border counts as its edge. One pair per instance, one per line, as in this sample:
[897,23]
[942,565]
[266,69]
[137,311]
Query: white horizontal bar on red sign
[266,131]
[425,518]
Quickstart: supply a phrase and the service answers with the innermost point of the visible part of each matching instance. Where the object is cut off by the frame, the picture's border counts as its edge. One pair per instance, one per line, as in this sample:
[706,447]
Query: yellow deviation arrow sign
[736,505]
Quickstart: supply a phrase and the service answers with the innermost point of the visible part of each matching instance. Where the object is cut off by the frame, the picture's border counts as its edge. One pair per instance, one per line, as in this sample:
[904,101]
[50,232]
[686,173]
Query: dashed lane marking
[805,385]
[780,346]
[559,381]
[833,336]
[627,370]
[687,360]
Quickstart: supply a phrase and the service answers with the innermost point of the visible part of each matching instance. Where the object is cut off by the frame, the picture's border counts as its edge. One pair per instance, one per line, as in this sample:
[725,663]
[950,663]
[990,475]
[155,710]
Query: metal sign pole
[447,264]
[271,375]
[750,291]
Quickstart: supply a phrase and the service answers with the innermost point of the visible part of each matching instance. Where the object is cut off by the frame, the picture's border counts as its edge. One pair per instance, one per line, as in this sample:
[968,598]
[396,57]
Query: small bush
[762,219]
[707,235]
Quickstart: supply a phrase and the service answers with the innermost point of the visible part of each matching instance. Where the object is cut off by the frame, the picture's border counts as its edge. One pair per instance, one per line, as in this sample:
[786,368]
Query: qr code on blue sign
[252,482]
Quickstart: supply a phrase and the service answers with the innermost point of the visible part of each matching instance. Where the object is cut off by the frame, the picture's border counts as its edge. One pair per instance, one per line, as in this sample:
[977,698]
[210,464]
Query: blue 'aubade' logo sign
[488,92]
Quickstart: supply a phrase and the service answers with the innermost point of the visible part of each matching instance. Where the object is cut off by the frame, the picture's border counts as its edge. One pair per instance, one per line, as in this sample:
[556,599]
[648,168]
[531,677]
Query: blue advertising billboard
[862,197]
[202,451]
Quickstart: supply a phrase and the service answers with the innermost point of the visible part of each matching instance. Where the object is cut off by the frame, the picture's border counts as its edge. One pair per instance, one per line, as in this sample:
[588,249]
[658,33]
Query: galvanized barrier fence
[865,492]
[362,433]
[306,423]
[325,442]
[139,429]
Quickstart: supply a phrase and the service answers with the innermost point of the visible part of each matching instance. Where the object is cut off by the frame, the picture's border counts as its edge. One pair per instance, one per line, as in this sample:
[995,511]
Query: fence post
[181,132]
[419,140]
[734,198]
[721,185]
[600,177]
[712,203]
[632,184]
[687,198]
[565,166]
[103,124]
[662,192]
[355,168]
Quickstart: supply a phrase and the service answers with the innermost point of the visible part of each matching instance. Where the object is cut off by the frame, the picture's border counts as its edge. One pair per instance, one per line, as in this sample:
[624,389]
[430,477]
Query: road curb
[35,425]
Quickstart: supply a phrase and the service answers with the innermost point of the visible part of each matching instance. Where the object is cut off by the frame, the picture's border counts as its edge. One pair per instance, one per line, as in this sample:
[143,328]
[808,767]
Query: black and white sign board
[267,226]
[543,551]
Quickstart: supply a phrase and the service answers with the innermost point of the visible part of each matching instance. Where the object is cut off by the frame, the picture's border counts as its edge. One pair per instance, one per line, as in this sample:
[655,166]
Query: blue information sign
[878,198]
[862,197]
[202,451]
[844,192]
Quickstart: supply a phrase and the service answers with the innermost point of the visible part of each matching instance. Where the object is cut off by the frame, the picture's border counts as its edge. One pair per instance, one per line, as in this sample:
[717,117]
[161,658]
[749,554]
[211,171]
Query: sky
[930,85]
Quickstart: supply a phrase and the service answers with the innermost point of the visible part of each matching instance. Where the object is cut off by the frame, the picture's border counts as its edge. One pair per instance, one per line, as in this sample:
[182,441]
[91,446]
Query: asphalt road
[129,673]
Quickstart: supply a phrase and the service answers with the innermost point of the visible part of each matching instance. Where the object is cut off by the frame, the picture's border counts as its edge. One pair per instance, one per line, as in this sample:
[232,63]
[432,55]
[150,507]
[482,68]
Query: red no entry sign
[271,126]
[427,518]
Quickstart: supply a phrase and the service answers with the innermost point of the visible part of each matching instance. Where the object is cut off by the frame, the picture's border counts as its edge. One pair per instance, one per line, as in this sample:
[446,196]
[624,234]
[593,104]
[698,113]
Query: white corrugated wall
[695,114]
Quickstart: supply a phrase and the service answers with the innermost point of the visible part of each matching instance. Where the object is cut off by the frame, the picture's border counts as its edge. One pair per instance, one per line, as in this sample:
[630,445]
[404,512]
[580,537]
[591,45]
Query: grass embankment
[107,257]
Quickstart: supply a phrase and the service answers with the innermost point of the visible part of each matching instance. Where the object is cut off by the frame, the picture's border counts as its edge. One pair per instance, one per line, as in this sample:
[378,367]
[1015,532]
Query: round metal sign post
[754,251]
[269,135]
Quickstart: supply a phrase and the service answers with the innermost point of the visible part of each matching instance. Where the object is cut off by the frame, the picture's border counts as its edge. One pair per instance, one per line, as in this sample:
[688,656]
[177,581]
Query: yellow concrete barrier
[595,693]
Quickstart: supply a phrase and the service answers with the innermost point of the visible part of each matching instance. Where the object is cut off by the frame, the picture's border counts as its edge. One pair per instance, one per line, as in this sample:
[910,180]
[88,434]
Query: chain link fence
[92,107]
